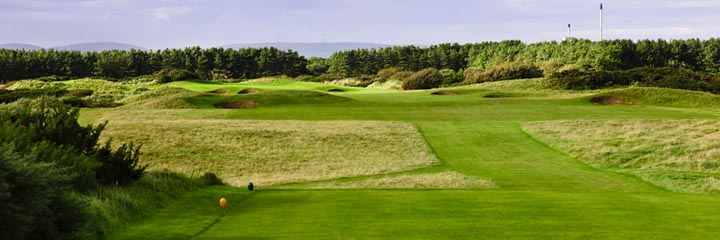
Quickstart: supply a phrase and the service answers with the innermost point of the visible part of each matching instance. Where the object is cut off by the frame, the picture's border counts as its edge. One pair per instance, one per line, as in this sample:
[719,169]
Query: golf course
[492,160]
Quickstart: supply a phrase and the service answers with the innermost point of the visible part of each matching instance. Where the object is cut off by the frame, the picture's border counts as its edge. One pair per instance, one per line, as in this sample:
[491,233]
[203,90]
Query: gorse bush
[424,79]
[46,158]
[173,75]
[666,77]
[35,197]
[504,71]
[449,76]
[118,167]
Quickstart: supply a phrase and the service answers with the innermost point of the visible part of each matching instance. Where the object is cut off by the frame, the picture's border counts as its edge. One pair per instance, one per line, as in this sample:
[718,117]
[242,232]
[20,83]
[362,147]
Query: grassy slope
[273,152]
[681,155]
[543,193]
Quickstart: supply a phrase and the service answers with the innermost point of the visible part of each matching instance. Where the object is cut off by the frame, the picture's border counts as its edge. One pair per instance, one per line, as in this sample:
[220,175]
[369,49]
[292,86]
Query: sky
[207,23]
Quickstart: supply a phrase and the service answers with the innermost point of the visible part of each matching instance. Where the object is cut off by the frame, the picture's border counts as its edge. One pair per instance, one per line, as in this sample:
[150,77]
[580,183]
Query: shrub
[317,66]
[172,75]
[209,179]
[424,79]
[35,197]
[48,120]
[401,75]
[8,96]
[449,76]
[504,71]
[549,67]
[386,73]
[46,157]
[325,77]
[119,167]
[667,77]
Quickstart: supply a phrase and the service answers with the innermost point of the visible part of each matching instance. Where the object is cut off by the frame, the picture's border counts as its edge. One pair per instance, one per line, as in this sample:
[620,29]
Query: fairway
[474,172]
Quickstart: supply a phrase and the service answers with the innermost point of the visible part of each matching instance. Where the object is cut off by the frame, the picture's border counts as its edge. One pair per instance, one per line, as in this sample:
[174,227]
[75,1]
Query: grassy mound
[658,96]
[680,155]
[273,152]
[533,84]
[270,98]
[162,98]
[97,85]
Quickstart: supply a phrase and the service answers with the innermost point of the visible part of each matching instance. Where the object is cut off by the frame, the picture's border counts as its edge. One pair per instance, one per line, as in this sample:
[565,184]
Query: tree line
[248,63]
[695,54]
[212,63]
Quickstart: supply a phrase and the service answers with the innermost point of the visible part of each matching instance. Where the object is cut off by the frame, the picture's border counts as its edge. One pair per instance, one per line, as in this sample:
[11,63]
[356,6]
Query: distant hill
[310,49]
[98,47]
[19,46]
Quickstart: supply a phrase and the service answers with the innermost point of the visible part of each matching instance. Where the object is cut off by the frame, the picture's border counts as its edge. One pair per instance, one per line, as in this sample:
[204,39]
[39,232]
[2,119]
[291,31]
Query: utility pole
[601,21]
[569,32]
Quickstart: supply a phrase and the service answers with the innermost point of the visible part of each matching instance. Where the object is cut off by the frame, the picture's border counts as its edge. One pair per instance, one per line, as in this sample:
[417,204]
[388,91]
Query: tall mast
[601,21]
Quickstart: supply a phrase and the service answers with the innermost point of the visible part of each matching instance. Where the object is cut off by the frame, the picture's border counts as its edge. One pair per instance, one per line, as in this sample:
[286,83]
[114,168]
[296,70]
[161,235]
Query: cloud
[166,13]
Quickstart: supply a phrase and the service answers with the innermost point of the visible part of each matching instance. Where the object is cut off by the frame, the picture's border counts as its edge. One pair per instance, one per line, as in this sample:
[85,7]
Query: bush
[172,75]
[504,71]
[325,77]
[449,76]
[667,77]
[401,75]
[36,201]
[317,66]
[118,167]
[47,120]
[46,157]
[549,67]
[424,79]
[386,73]
[209,179]
[8,96]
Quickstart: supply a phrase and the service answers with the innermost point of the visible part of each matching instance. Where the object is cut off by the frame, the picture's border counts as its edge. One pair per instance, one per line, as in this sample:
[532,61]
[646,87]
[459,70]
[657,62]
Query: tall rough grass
[681,155]
[115,206]
[439,180]
[272,152]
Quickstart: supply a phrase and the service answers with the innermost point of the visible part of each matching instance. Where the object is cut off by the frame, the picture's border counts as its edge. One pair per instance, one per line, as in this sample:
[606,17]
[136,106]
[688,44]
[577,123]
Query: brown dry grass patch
[7,85]
[444,93]
[272,152]
[439,180]
[238,104]
[220,91]
[611,100]
[682,155]
[248,91]
[495,96]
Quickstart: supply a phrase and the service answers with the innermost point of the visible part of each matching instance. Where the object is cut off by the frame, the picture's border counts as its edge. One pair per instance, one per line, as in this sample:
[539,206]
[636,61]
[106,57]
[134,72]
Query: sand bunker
[238,104]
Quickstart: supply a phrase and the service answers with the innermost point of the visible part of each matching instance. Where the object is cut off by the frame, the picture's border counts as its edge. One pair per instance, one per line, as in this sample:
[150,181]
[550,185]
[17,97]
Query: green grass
[114,207]
[541,192]
[186,216]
